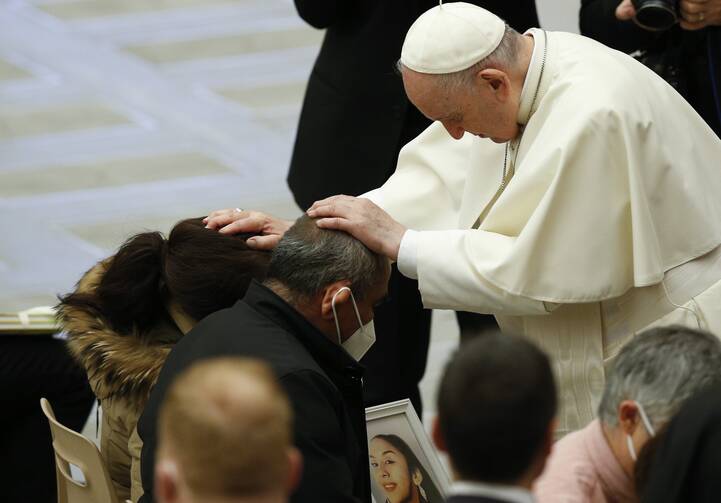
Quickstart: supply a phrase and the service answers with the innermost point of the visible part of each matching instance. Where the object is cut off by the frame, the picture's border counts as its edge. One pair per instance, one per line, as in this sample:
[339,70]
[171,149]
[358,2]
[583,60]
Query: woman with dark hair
[128,311]
[398,473]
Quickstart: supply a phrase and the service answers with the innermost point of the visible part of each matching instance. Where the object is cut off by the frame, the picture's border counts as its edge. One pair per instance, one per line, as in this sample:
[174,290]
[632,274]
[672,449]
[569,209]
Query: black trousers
[32,367]
[397,361]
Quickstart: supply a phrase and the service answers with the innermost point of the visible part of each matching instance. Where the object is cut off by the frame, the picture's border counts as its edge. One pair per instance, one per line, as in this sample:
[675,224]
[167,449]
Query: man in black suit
[355,119]
[496,409]
[310,321]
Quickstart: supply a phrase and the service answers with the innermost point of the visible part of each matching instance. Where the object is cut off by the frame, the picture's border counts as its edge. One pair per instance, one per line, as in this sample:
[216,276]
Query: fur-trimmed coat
[122,369]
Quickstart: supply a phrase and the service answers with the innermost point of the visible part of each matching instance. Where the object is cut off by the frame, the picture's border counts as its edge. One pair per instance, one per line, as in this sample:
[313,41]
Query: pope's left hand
[363,220]
[698,14]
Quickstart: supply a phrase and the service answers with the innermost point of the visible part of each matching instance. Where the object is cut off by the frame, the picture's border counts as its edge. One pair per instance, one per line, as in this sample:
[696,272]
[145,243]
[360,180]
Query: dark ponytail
[130,293]
[132,290]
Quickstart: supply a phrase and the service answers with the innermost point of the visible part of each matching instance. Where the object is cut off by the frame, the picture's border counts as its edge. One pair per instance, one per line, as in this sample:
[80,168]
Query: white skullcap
[451,37]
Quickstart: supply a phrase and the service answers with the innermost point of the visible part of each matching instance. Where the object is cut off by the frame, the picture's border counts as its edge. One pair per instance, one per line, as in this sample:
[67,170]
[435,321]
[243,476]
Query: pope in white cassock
[563,187]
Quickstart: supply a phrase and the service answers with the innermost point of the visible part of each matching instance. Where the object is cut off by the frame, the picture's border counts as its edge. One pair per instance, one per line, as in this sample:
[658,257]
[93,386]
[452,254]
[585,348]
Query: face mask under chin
[362,339]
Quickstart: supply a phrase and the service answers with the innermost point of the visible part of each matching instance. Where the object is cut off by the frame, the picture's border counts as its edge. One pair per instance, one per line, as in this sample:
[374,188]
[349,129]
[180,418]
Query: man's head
[463,66]
[225,435]
[496,410]
[315,269]
[651,378]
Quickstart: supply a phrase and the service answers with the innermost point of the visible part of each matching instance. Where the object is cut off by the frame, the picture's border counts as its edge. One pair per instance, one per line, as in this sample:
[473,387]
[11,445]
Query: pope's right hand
[625,11]
[236,221]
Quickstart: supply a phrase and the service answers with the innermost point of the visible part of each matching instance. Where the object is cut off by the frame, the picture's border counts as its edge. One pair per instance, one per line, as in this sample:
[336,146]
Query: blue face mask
[362,339]
[646,424]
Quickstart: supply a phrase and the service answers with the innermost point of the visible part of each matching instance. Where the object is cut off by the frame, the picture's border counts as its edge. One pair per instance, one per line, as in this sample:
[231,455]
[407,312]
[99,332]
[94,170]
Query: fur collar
[118,365]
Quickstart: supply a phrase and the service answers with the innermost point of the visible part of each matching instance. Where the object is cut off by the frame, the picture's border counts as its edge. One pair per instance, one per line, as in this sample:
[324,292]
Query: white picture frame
[398,420]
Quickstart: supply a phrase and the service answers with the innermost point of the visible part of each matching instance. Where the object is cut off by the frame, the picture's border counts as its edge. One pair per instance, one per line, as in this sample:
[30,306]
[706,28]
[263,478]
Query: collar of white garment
[507,493]
[533,76]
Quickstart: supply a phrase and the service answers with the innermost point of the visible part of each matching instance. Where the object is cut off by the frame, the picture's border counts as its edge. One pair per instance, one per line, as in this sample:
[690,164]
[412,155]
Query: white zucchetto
[451,37]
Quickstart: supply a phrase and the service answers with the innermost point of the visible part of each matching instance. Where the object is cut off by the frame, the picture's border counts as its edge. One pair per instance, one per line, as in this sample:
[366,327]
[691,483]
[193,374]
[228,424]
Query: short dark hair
[308,258]
[199,269]
[496,401]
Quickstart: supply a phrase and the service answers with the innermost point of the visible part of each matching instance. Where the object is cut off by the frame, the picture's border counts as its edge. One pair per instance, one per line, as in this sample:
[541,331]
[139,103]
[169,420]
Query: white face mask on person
[646,424]
[362,339]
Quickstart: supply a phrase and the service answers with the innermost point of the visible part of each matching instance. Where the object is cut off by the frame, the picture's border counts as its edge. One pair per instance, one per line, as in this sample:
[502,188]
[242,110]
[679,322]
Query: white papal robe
[610,218]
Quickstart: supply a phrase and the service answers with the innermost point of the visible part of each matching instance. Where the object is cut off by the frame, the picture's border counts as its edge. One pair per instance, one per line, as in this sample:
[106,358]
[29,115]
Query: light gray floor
[123,115]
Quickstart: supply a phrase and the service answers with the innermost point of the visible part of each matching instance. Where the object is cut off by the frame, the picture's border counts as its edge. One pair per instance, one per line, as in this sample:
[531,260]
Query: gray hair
[660,369]
[504,57]
[307,259]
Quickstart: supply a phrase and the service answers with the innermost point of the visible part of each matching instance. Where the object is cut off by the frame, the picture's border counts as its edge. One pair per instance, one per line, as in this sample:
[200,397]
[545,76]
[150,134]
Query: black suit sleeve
[319,436]
[598,21]
[320,13]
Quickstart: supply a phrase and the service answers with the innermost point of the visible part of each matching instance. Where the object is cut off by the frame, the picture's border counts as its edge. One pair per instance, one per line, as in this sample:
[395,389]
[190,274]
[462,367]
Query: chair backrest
[73,448]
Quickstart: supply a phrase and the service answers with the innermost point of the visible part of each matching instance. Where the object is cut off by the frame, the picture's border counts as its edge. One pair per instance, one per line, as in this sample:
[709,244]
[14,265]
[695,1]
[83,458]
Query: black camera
[656,15]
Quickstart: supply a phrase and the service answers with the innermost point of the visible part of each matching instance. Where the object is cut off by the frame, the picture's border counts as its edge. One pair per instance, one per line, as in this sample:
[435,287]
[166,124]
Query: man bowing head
[580,209]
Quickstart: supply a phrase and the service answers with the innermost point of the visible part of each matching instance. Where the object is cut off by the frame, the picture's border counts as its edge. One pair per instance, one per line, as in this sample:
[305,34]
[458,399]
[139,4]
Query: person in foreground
[225,436]
[129,310]
[650,380]
[686,460]
[311,320]
[496,418]
[574,203]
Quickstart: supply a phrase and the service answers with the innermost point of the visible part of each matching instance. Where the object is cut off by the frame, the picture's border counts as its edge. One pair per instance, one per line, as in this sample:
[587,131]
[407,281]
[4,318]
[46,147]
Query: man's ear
[167,478]
[628,416]
[295,469]
[326,305]
[498,81]
[437,435]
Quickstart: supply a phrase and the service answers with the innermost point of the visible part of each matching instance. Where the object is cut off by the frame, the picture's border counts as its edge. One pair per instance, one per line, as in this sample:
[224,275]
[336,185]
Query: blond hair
[227,424]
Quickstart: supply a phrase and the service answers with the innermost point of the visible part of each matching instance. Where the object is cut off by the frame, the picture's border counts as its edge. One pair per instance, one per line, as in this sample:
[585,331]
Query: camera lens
[655,15]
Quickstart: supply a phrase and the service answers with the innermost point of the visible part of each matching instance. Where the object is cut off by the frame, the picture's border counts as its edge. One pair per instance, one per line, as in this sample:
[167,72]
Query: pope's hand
[235,221]
[698,14]
[363,220]
[625,11]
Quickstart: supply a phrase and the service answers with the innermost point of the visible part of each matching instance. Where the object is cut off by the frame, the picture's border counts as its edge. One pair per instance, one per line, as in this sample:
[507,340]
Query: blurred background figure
[225,435]
[32,367]
[651,379]
[686,54]
[496,408]
[128,312]
[354,121]
[685,461]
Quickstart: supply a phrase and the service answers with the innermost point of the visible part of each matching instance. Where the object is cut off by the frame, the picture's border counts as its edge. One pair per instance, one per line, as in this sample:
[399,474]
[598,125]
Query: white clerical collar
[533,75]
[512,494]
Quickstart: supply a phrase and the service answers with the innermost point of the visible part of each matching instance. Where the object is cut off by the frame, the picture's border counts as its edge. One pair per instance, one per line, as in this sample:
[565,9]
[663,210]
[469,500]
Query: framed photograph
[404,465]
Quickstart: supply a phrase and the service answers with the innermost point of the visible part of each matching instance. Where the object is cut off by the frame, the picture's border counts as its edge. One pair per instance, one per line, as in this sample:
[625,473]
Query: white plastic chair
[73,448]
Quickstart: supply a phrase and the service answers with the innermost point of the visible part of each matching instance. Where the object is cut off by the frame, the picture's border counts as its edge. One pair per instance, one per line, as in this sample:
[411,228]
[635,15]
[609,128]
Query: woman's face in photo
[391,472]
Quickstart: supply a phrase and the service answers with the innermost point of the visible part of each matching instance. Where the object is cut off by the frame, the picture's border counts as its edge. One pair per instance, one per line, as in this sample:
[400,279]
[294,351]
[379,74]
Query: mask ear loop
[335,315]
[644,418]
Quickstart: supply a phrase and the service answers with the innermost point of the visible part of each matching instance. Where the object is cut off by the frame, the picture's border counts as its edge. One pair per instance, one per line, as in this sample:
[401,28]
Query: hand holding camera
[659,15]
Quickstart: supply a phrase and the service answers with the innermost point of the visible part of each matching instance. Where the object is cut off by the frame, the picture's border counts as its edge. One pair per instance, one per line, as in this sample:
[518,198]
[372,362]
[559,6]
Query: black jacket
[356,116]
[698,53]
[322,381]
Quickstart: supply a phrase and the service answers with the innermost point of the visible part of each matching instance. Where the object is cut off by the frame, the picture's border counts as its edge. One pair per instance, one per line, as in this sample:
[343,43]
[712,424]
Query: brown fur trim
[123,365]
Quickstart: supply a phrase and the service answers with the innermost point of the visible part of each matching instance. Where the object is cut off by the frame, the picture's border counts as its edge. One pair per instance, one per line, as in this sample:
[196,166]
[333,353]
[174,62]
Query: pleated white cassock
[614,185]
